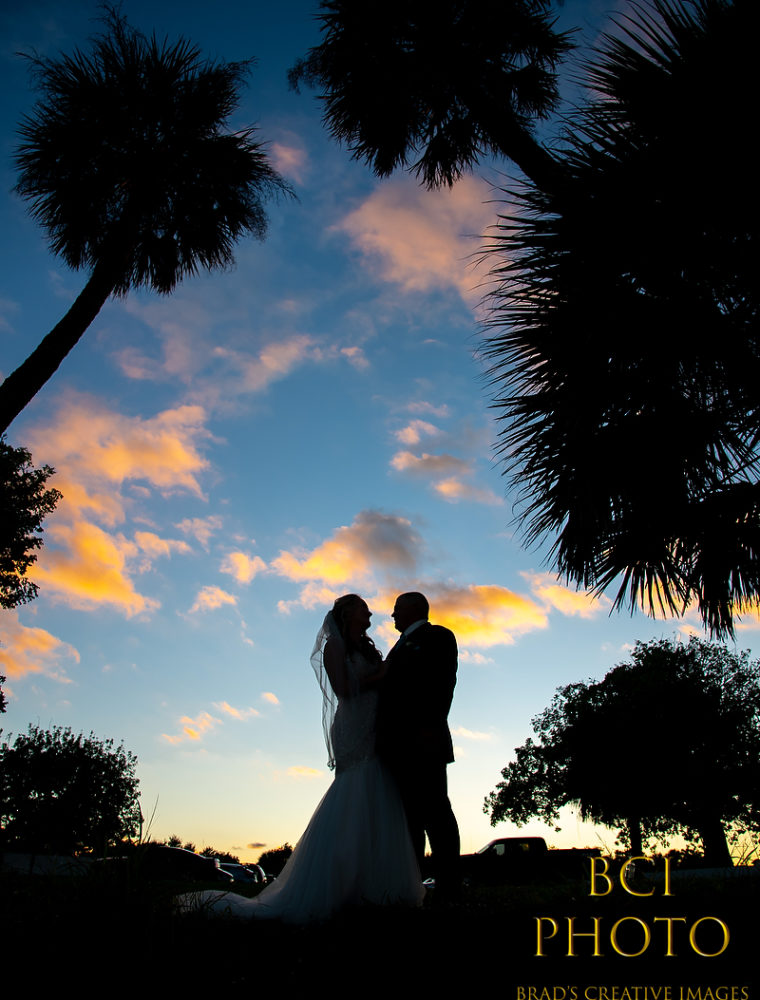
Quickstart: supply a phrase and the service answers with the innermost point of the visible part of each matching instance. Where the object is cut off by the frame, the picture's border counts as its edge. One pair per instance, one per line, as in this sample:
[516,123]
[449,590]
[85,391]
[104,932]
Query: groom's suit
[413,739]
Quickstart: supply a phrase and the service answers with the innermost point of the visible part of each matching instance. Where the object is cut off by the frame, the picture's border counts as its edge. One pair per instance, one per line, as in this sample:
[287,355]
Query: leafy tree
[433,87]
[626,347]
[126,164]
[3,702]
[24,502]
[273,861]
[63,793]
[668,742]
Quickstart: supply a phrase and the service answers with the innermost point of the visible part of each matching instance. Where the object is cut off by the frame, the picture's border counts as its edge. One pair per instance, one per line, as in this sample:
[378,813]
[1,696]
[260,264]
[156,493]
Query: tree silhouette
[24,502]
[126,163]
[433,87]
[63,793]
[668,742]
[274,860]
[625,344]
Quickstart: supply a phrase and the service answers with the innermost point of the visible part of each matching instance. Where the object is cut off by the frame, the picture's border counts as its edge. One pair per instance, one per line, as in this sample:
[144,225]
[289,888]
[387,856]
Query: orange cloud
[154,546]
[415,430]
[193,729]
[237,713]
[93,445]
[564,599]
[374,541]
[298,771]
[88,569]
[453,489]
[242,566]
[270,697]
[422,240]
[209,598]
[106,463]
[25,650]
[479,615]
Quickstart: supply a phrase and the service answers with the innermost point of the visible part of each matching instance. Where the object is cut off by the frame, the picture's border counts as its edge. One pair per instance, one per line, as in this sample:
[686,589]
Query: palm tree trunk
[23,384]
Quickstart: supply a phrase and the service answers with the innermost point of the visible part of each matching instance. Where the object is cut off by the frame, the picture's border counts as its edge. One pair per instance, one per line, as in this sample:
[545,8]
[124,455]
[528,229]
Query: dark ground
[121,937]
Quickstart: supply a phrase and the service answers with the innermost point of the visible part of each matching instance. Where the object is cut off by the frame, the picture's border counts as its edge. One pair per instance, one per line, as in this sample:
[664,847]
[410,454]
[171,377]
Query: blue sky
[235,456]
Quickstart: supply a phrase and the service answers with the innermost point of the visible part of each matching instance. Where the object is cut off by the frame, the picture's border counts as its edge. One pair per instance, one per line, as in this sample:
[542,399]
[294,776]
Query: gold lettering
[669,921]
[539,935]
[613,937]
[602,874]
[624,883]
[693,937]
[572,933]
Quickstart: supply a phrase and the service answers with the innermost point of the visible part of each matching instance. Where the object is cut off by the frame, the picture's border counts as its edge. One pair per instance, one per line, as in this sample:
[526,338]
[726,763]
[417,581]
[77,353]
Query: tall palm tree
[126,163]
[432,87]
[625,344]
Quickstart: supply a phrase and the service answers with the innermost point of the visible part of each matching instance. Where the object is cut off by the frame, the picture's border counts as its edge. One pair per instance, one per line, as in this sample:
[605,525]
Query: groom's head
[408,609]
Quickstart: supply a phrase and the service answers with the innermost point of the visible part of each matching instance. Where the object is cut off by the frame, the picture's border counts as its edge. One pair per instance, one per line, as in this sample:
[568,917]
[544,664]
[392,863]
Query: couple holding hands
[385,724]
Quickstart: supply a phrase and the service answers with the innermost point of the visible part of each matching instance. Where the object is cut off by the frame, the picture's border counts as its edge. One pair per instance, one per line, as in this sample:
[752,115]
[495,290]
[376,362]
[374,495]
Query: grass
[121,936]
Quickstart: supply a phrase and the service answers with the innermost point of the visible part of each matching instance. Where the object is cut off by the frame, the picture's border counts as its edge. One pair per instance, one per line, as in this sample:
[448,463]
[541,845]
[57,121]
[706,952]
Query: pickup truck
[523,860]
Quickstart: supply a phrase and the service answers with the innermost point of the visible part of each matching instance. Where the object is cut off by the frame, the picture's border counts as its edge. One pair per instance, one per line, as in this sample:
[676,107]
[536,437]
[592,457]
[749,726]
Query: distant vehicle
[251,874]
[160,861]
[520,860]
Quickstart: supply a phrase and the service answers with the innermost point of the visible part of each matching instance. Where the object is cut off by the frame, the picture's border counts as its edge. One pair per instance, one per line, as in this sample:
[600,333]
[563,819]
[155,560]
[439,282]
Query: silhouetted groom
[413,734]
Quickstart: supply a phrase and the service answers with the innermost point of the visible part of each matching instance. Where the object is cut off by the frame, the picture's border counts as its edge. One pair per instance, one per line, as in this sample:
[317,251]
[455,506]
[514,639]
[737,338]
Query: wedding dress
[356,848]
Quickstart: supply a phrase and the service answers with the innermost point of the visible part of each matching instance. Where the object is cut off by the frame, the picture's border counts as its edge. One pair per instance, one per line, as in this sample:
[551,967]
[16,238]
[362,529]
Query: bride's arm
[337,670]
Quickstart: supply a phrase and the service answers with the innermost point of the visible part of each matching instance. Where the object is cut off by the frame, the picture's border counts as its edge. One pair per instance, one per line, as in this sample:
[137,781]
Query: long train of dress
[356,849]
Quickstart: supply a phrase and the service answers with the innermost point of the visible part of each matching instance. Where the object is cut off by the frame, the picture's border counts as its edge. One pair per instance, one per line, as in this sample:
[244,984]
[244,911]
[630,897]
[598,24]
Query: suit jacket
[415,698]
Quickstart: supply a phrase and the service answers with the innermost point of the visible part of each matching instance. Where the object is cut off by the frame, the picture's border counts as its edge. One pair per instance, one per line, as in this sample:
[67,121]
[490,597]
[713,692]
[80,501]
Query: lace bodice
[353,729]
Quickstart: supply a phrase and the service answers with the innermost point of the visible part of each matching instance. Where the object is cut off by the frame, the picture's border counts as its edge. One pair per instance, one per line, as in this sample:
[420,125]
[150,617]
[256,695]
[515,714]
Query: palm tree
[126,164]
[625,344]
[432,87]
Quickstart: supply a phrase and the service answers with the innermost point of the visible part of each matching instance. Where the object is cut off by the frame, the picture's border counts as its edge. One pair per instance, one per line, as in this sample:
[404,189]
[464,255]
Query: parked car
[160,861]
[251,874]
[519,859]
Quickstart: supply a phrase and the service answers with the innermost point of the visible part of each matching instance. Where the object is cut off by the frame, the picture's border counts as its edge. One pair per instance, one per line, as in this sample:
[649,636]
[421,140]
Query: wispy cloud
[270,697]
[193,729]
[241,714]
[428,466]
[210,598]
[423,240]
[454,489]
[200,528]
[299,771]
[25,650]
[565,599]
[290,158]
[470,734]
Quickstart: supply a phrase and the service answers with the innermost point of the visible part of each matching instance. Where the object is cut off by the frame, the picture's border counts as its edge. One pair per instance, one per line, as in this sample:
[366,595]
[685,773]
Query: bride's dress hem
[356,851]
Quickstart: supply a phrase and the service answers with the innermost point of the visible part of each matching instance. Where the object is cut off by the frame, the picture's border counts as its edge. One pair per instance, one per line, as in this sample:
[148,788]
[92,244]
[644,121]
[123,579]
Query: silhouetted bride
[356,848]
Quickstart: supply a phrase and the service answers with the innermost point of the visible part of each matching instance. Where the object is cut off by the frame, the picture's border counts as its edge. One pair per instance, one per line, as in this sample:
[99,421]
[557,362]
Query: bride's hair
[341,608]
